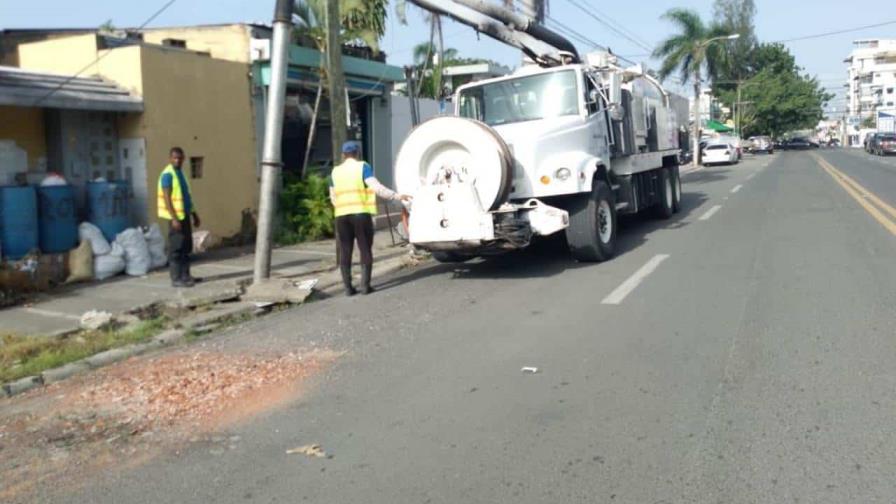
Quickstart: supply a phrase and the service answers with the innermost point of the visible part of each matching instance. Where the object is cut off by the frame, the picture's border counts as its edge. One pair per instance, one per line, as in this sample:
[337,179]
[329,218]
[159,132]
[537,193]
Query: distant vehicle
[735,142]
[882,144]
[869,139]
[719,153]
[796,144]
[761,144]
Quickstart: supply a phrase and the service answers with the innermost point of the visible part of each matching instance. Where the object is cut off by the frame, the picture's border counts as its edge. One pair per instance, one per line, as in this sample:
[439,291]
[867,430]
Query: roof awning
[24,88]
[718,127]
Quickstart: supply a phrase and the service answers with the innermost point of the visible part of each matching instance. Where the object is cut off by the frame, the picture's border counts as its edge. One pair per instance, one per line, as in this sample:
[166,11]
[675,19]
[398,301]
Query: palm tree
[362,20]
[688,52]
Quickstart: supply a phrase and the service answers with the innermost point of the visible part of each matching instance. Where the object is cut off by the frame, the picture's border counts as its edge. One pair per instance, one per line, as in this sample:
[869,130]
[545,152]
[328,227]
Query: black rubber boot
[175,270]
[185,275]
[366,271]
[347,280]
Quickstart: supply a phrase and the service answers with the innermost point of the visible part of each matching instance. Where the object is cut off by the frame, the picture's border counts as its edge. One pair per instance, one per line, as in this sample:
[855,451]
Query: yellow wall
[191,100]
[25,125]
[202,105]
[227,42]
[67,55]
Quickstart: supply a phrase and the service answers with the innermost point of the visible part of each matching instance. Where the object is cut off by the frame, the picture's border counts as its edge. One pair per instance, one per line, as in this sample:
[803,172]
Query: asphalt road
[748,358]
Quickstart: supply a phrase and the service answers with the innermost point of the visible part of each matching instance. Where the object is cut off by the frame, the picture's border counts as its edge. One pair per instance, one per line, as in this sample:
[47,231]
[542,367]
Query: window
[529,98]
[196,167]
[592,97]
[182,44]
[889,90]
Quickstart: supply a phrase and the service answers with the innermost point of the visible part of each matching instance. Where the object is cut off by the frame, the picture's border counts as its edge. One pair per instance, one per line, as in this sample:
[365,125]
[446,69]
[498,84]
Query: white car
[718,153]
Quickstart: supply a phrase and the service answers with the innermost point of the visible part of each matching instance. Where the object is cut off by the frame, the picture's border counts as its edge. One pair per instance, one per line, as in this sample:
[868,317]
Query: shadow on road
[549,256]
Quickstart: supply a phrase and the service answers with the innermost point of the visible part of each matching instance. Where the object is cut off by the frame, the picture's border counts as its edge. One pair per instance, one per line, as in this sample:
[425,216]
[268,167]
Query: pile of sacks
[134,251]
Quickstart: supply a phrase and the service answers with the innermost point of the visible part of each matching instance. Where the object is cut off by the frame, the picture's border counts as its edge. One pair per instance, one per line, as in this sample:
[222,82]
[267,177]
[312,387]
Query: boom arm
[537,42]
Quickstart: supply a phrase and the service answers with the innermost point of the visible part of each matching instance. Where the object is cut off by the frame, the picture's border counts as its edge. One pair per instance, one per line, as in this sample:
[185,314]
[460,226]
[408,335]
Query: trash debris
[307,284]
[94,319]
[156,244]
[529,369]
[312,450]
[80,263]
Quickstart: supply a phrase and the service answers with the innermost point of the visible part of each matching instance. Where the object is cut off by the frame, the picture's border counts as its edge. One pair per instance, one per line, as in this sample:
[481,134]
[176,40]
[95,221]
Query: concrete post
[271,164]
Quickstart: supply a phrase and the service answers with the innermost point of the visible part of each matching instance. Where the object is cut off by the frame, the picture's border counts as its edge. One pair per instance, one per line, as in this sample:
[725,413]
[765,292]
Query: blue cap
[351,147]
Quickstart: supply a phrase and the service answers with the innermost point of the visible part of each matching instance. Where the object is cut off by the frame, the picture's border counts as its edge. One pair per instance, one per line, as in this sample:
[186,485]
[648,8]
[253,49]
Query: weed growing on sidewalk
[22,356]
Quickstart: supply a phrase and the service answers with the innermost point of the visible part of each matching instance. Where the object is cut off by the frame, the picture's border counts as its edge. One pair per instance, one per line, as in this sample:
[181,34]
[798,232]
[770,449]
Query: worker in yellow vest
[175,204]
[353,192]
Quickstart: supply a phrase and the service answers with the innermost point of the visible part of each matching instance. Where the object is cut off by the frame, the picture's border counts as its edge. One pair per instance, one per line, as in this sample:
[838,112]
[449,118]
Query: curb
[392,263]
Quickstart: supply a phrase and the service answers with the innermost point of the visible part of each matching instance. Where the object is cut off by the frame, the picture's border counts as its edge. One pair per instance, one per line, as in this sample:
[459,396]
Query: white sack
[91,233]
[136,252]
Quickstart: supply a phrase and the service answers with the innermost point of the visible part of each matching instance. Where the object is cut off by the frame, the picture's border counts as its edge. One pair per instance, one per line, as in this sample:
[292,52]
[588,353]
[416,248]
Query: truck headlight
[562,174]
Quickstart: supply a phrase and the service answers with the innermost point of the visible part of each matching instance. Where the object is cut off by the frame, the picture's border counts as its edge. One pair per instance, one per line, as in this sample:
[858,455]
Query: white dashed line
[709,213]
[751,176]
[618,295]
[736,188]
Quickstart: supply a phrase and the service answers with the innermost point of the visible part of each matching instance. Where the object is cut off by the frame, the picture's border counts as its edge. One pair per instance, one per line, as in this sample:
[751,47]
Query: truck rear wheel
[676,189]
[665,208]
[592,225]
[449,257]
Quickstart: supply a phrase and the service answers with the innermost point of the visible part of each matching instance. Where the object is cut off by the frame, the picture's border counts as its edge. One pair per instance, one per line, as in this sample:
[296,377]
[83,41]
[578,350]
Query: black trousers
[180,246]
[351,228]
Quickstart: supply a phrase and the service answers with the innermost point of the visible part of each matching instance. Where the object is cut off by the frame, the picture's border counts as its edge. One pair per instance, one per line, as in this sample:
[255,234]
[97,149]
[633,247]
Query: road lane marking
[751,176]
[736,188]
[619,294]
[862,196]
[52,313]
[709,213]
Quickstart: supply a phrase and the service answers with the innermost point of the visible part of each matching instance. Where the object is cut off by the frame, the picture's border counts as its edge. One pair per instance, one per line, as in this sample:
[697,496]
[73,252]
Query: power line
[608,25]
[101,56]
[837,32]
[618,24]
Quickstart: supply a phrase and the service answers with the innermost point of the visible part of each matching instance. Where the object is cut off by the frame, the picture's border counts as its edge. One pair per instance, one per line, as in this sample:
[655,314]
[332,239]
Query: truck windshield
[523,99]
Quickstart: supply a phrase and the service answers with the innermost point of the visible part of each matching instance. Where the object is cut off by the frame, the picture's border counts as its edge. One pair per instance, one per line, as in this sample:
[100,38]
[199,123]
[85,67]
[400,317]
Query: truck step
[621,206]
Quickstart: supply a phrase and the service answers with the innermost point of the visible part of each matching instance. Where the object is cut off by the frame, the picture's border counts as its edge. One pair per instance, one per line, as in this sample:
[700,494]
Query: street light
[696,133]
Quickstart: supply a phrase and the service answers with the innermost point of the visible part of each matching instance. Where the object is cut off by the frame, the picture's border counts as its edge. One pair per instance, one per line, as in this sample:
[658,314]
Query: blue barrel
[57,222]
[108,207]
[18,221]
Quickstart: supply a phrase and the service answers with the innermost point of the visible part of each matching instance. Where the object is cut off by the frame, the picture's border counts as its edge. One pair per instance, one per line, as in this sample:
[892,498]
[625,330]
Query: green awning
[718,127]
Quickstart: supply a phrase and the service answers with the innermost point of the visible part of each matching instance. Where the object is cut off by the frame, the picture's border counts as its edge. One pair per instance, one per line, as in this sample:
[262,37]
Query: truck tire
[443,256]
[592,225]
[664,207]
[676,189]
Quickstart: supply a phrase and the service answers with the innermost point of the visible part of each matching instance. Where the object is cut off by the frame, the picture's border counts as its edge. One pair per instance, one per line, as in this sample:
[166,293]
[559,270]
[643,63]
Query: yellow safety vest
[177,195]
[350,194]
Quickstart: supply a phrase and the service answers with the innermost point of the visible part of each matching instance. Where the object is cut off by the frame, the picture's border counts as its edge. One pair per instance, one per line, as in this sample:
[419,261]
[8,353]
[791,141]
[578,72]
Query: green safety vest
[177,195]
[350,194]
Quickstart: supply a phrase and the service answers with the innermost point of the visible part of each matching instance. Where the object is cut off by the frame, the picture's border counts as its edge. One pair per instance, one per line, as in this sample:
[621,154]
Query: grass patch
[22,356]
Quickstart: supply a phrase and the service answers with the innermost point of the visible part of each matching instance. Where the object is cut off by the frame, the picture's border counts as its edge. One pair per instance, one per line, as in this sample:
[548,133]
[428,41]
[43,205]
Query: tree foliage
[686,52]
[779,96]
[363,21]
[735,16]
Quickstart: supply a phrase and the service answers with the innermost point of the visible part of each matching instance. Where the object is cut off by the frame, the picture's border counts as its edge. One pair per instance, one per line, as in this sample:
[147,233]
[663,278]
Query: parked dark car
[796,144]
[882,144]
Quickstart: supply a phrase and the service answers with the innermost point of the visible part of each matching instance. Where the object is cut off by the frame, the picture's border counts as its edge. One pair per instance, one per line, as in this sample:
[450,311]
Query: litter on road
[529,370]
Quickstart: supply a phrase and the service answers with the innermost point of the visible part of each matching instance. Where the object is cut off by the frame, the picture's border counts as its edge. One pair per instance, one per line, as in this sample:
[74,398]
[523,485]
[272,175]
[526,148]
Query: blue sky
[776,20]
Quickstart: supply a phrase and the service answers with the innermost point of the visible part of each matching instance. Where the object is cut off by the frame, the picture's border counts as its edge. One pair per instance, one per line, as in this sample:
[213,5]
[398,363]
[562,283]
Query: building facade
[871,68]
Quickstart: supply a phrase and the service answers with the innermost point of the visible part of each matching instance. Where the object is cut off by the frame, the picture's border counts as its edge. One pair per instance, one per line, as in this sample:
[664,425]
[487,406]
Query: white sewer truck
[565,144]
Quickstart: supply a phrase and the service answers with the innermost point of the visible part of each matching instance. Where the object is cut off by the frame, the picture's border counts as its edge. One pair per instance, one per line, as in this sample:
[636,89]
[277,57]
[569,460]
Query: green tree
[363,21]
[734,16]
[782,102]
[688,52]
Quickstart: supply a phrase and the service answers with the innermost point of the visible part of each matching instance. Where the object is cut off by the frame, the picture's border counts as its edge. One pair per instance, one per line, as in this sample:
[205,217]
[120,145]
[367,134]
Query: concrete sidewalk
[223,271]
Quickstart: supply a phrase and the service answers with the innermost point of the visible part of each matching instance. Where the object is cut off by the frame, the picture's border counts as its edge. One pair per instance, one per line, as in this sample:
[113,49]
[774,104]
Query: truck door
[597,120]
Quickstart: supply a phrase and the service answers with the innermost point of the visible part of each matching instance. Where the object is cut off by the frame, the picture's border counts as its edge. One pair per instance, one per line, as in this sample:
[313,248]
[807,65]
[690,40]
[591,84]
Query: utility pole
[271,164]
[696,130]
[336,80]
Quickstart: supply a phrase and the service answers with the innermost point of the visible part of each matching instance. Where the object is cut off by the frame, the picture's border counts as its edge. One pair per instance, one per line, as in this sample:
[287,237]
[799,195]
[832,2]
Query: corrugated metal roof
[25,88]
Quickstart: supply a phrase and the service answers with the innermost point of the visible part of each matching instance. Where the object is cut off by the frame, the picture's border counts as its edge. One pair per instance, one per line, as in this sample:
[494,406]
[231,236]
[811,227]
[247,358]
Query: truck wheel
[665,208]
[449,257]
[676,190]
[592,225]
